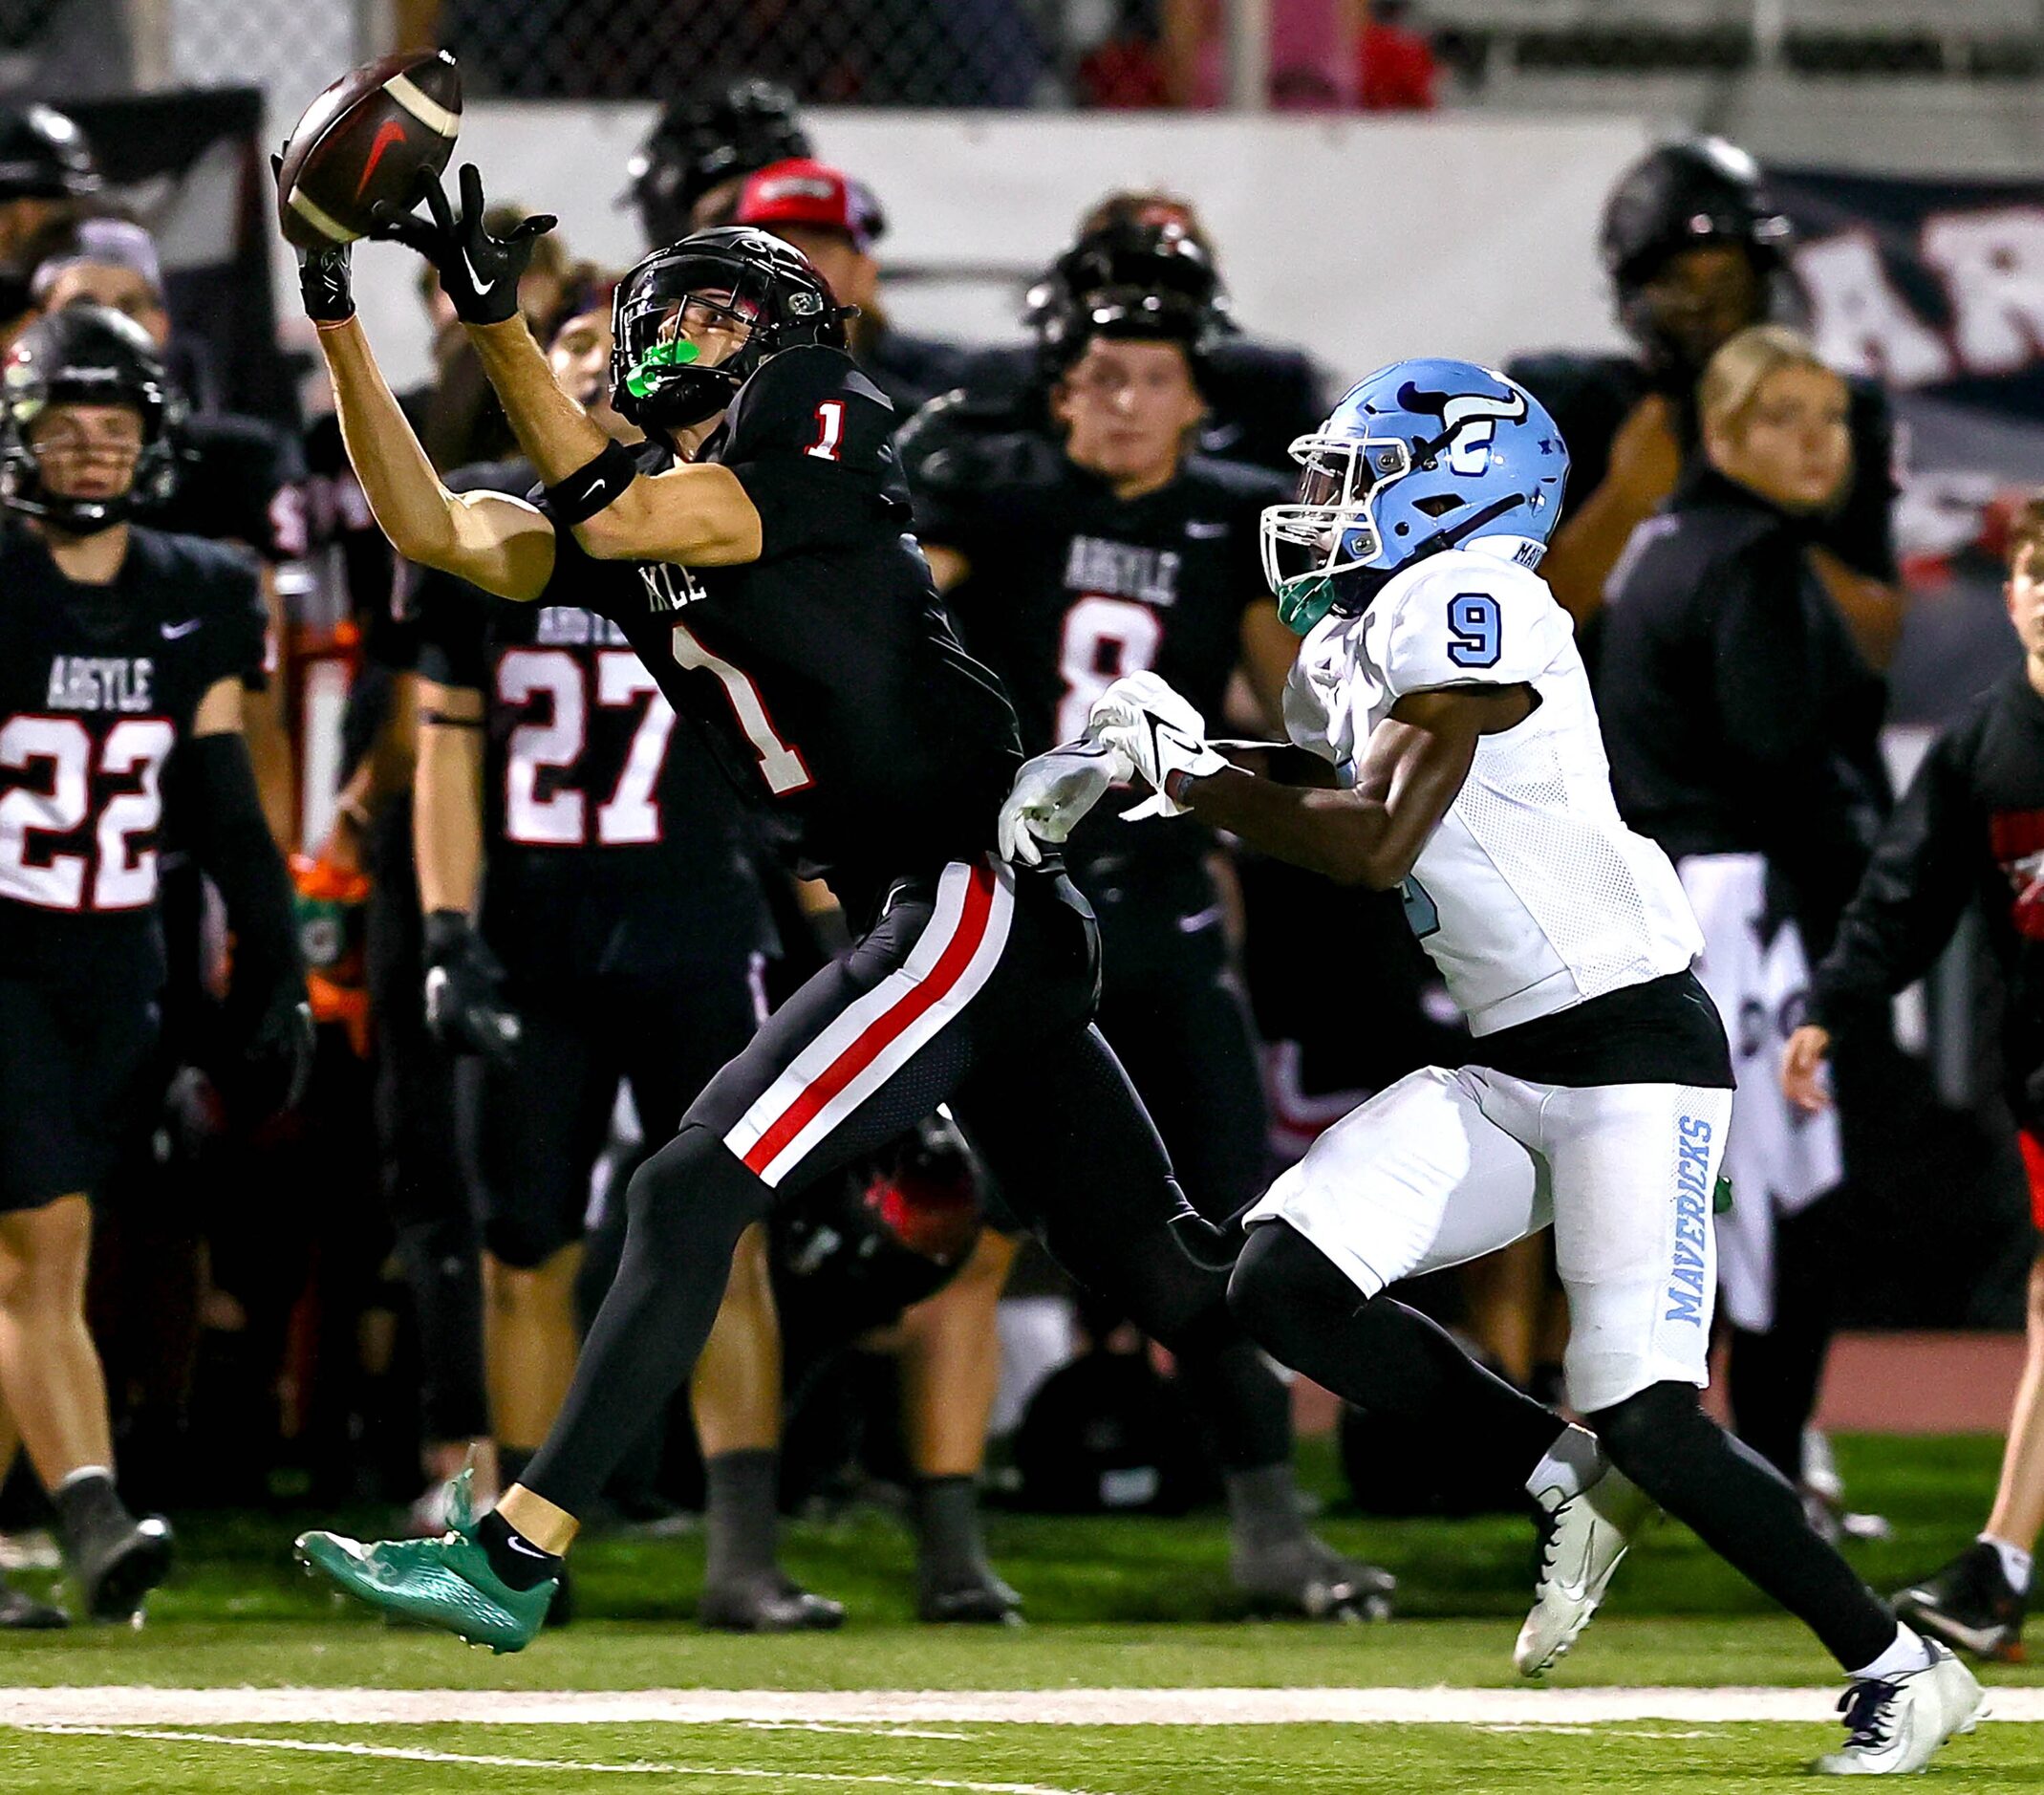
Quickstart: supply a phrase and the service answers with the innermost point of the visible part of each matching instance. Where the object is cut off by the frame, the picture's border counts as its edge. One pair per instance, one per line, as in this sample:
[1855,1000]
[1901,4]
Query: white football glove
[1157,733]
[1051,793]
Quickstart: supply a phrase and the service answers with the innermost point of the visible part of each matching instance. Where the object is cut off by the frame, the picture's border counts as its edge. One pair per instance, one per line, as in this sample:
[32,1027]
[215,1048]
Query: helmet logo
[803,305]
[1470,421]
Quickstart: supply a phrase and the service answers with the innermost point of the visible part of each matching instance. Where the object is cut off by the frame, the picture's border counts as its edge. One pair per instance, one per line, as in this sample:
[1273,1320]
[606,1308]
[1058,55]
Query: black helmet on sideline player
[701,141]
[85,356]
[1130,281]
[43,155]
[734,278]
[1703,194]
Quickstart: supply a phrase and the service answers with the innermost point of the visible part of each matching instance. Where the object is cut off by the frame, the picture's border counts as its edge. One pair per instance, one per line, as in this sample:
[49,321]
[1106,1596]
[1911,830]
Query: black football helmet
[1148,282]
[750,277]
[1674,197]
[86,355]
[704,140]
[891,1230]
[43,155]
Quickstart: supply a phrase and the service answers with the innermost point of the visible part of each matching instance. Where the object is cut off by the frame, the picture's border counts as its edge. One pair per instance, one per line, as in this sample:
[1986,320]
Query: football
[365,141]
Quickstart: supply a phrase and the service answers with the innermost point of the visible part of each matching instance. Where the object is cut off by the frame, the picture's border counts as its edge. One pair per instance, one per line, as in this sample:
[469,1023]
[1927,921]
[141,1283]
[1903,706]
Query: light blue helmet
[1422,456]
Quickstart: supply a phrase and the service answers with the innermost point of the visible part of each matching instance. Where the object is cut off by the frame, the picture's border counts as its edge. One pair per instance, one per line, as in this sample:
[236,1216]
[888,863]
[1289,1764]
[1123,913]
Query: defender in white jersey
[1440,682]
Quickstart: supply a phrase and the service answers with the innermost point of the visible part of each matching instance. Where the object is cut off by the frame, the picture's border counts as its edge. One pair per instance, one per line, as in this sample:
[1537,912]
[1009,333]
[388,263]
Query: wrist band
[592,486]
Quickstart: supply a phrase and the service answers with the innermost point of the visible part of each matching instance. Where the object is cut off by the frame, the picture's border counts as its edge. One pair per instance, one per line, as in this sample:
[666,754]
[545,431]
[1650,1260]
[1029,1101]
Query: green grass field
[1114,1605]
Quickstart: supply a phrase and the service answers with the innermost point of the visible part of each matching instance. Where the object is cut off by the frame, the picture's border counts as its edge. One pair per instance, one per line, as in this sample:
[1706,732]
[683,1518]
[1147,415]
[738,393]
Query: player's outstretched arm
[1370,834]
[491,539]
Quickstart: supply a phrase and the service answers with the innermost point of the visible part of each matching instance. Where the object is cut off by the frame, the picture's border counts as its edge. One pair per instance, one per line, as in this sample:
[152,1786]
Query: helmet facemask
[1325,548]
[658,376]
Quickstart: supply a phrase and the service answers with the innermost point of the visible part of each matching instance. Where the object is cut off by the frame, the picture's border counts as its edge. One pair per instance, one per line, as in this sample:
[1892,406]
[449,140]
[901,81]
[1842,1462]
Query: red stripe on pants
[884,1029]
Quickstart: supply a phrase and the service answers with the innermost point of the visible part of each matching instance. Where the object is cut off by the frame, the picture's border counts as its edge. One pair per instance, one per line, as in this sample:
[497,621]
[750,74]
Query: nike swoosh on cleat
[173,631]
[390,132]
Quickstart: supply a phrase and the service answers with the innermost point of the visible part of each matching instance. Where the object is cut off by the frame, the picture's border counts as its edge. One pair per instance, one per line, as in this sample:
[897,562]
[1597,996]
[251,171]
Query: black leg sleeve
[1745,1511]
[1380,1354]
[686,1206]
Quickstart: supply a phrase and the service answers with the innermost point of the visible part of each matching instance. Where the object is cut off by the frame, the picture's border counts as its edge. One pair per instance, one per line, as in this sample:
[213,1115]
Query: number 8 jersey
[1532,896]
[98,686]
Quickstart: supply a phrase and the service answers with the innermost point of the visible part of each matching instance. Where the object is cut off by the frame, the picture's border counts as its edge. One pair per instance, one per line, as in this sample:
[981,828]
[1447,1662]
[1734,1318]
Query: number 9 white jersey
[1531,896]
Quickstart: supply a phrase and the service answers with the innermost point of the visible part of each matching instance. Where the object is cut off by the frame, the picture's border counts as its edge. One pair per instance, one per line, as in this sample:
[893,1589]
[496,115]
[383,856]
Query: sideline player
[1101,547]
[1971,826]
[781,602]
[121,648]
[1695,249]
[1441,683]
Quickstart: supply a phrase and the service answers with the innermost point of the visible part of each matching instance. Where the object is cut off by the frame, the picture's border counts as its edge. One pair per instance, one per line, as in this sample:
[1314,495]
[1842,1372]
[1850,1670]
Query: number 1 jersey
[826,672]
[98,686]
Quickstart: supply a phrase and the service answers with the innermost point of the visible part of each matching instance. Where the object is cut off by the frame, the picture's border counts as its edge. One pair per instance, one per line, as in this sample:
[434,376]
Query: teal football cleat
[446,1583]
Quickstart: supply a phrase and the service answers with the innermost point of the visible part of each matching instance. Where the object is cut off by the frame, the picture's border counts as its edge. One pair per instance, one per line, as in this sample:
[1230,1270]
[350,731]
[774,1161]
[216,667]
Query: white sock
[1907,1654]
[83,1472]
[2014,1563]
[1571,1465]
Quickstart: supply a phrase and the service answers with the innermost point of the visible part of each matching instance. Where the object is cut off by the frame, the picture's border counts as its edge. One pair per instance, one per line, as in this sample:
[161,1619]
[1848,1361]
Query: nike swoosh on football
[389,133]
[172,631]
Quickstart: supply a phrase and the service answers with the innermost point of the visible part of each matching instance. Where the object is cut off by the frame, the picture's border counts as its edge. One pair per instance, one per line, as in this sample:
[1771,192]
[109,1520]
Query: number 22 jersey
[98,686]
[826,672]
[1531,896]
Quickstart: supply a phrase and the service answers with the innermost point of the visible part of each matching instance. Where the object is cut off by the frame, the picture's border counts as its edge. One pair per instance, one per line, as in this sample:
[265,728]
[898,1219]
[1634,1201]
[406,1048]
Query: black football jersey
[98,686]
[1070,588]
[239,479]
[613,843]
[1590,396]
[826,672]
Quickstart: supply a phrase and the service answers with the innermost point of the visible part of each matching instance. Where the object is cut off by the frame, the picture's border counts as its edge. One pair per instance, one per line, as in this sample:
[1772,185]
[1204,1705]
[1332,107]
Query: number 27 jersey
[1531,896]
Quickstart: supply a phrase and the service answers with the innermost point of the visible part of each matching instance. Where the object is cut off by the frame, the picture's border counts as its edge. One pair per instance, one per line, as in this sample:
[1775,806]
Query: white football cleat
[1587,1535]
[1893,1727]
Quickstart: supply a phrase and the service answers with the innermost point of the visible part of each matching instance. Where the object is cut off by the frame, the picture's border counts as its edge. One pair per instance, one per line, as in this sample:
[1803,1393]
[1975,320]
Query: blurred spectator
[835,221]
[1693,244]
[1743,731]
[1966,836]
[1313,53]
[1395,67]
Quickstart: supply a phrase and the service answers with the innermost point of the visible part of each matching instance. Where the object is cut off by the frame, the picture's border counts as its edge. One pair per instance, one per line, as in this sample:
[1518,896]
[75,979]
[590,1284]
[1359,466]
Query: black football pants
[975,987]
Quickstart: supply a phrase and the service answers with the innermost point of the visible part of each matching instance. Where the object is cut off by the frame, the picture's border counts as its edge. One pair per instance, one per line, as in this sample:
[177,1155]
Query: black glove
[479,272]
[272,1050]
[465,991]
[322,276]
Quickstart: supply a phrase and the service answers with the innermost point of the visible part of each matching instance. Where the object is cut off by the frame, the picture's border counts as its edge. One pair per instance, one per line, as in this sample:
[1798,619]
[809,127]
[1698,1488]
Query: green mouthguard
[645,375]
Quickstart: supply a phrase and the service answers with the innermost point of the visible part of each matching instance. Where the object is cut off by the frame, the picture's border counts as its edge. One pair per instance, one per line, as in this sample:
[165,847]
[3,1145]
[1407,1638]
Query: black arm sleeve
[1911,897]
[233,846]
[1766,677]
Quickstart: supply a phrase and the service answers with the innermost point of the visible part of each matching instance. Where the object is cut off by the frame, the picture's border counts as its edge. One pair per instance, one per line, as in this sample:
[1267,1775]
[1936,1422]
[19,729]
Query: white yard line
[412,1754]
[1037,1707]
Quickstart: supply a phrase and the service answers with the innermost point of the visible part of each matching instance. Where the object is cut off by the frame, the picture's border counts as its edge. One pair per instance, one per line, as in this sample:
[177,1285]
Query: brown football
[365,140]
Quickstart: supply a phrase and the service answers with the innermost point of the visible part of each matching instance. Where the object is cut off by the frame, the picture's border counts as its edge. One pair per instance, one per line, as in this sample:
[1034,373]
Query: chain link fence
[877,53]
